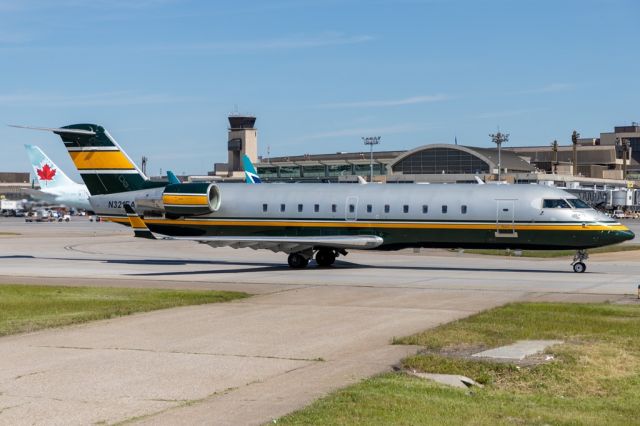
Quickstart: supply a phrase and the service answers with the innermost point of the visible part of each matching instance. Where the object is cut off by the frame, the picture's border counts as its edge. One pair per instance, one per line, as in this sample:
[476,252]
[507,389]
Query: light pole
[574,139]
[371,141]
[499,139]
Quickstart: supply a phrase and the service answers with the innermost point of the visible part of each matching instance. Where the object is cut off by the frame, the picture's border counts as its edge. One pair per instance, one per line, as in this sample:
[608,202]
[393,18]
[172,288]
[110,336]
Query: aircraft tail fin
[104,167]
[48,174]
[140,229]
[250,173]
[172,178]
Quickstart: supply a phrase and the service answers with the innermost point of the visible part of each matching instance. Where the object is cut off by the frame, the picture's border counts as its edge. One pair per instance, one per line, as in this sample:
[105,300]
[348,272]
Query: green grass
[593,379]
[554,253]
[25,308]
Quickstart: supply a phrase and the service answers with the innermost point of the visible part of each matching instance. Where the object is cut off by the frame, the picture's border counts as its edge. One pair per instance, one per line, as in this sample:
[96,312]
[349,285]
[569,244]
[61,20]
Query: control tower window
[555,204]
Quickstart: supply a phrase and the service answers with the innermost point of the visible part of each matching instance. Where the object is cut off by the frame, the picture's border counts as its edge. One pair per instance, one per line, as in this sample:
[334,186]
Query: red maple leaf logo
[46,173]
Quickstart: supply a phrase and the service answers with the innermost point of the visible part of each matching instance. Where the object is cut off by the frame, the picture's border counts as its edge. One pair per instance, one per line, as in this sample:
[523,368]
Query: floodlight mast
[499,139]
[371,141]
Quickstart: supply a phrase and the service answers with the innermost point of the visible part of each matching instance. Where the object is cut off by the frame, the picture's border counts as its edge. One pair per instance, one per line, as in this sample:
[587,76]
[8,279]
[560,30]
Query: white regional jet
[55,185]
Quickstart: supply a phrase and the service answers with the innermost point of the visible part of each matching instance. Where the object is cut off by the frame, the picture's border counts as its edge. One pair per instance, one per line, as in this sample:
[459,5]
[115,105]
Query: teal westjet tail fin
[250,173]
[172,178]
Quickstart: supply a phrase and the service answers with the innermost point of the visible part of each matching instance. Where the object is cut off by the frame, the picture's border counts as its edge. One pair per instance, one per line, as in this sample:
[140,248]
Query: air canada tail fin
[140,230]
[250,173]
[104,167]
[48,174]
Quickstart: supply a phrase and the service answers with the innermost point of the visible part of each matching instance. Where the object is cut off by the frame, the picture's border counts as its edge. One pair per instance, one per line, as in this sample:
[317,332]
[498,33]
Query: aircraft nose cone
[627,235]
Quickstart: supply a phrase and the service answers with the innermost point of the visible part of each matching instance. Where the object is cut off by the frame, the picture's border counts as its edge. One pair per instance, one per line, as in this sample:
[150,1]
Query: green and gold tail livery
[104,167]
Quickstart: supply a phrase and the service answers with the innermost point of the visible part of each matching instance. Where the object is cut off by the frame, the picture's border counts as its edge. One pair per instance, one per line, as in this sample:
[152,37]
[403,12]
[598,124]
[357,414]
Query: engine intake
[190,199]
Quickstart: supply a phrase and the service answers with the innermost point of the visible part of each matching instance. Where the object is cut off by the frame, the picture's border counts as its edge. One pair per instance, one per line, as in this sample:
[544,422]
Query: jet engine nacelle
[191,199]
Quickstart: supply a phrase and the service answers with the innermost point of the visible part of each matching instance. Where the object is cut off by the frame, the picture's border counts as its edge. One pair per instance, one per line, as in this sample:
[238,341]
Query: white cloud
[507,113]
[364,131]
[292,42]
[549,88]
[387,103]
[84,100]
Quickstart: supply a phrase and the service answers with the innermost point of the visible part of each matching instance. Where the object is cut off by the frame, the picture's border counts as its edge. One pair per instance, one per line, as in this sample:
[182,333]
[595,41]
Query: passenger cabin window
[405,208]
[299,208]
[555,204]
[333,208]
[352,208]
[369,208]
[386,208]
[444,209]
[463,209]
[316,208]
[425,209]
[282,207]
[265,207]
[577,203]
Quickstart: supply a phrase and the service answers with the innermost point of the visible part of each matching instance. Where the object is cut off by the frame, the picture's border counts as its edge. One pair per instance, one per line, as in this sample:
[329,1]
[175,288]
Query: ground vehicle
[64,217]
[618,214]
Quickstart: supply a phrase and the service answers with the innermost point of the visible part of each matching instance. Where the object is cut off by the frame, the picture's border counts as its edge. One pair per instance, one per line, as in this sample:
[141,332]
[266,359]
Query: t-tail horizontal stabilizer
[140,230]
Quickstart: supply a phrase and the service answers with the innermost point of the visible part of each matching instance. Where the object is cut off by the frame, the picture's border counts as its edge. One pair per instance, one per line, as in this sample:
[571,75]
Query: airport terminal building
[601,164]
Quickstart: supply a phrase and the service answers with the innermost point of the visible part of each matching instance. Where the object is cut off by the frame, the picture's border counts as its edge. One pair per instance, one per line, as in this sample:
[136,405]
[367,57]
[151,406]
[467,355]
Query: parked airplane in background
[250,173]
[172,178]
[323,221]
[55,185]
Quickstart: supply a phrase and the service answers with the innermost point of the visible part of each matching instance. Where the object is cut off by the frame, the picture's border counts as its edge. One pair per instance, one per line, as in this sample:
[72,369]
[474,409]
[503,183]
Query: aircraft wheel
[325,257]
[297,261]
[579,267]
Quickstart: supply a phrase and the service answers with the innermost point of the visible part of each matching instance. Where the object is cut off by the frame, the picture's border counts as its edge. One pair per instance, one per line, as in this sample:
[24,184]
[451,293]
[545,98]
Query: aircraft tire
[297,261]
[325,257]
[579,267]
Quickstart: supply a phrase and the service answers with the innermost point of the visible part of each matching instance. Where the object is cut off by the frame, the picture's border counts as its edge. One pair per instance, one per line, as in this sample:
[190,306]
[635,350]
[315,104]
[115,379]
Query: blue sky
[162,75]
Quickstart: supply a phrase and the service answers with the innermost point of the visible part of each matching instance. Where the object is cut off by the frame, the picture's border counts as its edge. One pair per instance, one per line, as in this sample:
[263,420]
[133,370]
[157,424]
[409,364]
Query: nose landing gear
[578,264]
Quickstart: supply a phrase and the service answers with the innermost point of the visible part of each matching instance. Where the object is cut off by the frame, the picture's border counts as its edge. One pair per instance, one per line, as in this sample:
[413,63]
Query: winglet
[140,230]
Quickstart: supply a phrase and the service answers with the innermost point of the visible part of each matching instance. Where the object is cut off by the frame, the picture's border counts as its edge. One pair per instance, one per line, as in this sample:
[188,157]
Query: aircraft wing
[275,244]
[289,244]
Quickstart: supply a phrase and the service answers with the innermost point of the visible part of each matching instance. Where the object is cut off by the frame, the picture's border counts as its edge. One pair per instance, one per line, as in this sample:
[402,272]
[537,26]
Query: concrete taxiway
[306,332]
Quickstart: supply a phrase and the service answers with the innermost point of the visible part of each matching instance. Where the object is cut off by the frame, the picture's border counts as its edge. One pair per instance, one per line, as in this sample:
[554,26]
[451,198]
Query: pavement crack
[2,410]
[83,348]
[28,374]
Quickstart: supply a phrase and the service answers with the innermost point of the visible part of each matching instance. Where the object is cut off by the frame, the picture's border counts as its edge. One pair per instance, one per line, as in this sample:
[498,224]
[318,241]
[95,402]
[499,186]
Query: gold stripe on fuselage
[179,199]
[382,225]
[97,160]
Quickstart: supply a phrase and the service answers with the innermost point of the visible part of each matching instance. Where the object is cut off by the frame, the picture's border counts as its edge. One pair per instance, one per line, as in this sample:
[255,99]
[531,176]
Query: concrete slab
[519,350]
[453,380]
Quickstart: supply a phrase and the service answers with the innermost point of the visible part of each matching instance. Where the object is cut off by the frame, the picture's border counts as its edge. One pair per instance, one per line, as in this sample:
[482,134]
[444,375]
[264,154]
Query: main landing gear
[578,264]
[324,257]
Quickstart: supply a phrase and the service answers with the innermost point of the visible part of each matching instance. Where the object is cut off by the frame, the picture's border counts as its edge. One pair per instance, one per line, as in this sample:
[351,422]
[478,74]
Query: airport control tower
[243,139]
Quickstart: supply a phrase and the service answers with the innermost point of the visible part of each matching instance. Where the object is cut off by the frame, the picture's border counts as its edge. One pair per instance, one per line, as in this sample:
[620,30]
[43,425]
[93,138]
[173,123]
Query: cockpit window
[555,204]
[577,203]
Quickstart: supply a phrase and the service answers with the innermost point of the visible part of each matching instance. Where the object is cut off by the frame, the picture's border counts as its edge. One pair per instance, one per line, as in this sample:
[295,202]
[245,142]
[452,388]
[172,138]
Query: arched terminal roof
[456,159]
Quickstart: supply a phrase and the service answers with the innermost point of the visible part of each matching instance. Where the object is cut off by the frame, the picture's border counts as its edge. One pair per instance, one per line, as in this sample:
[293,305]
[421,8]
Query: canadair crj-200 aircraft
[55,185]
[324,221]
